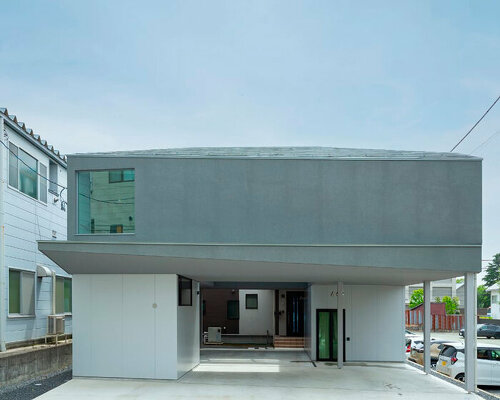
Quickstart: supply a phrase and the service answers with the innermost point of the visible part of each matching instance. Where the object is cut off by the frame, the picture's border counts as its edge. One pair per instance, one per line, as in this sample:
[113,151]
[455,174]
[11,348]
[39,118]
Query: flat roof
[326,153]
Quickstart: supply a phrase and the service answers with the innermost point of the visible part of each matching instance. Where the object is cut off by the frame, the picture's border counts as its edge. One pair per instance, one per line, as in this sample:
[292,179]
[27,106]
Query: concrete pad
[270,374]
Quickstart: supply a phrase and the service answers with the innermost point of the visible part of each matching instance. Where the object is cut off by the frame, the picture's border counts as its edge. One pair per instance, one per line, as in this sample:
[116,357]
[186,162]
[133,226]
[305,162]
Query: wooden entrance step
[288,342]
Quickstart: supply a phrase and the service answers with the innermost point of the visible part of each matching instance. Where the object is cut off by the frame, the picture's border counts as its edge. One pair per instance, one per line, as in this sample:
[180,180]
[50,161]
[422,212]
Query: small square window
[21,292]
[251,302]
[233,309]
[185,291]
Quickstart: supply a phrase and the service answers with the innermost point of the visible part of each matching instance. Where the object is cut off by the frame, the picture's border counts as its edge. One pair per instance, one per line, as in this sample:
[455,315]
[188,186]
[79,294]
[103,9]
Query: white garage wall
[376,323]
[118,331]
[374,320]
[188,334]
[260,321]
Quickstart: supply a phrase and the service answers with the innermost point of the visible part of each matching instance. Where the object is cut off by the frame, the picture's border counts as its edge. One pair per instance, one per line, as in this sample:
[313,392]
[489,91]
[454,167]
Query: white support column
[427,327]
[340,324]
[470,331]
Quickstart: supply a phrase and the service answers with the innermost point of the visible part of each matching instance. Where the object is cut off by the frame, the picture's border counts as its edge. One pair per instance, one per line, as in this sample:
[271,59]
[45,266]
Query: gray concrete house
[349,228]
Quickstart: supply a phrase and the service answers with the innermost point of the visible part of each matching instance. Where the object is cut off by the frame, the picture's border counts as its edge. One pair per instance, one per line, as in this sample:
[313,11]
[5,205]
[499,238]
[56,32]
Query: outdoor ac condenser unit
[56,324]
[214,334]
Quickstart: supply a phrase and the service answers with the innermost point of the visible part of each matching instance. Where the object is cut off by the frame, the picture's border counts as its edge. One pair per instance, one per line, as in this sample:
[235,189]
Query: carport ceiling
[281,263]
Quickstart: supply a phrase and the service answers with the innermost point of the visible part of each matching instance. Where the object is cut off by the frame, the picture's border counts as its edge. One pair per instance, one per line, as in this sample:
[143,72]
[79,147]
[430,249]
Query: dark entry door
[295,314]
[327,335]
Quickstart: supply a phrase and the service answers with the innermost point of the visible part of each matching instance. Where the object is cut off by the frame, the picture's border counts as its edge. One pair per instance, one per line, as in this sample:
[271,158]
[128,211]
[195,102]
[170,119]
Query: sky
[123,75]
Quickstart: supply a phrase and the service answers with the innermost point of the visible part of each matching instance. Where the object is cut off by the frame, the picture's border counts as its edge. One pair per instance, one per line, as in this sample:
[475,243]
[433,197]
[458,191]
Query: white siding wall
[26,221]
[374,320]
[188,334]
[130,326]
[260,321]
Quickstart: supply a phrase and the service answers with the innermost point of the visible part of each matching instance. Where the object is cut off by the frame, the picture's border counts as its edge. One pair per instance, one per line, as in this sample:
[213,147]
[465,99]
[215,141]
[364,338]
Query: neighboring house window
[185,291]
[251,302]
[63,295]
[494,299]
[106,201]
[21,292]
[233,309]
[13,168]
[114,229]
[43,183]
[53,175]
[23,172]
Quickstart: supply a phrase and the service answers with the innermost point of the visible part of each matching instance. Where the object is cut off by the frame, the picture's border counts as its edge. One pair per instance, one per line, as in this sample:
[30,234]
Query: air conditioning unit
[214,334]
[56,325]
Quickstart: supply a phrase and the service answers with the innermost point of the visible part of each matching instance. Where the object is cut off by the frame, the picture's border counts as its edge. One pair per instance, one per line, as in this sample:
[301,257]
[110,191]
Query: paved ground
[270,374]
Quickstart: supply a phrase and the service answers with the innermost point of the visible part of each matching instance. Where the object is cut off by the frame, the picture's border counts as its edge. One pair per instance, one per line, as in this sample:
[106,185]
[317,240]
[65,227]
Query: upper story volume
[275,195]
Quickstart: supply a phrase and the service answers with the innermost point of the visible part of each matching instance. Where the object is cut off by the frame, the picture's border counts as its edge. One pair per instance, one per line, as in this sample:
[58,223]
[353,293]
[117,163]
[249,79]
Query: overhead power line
[479,120]
[485,142]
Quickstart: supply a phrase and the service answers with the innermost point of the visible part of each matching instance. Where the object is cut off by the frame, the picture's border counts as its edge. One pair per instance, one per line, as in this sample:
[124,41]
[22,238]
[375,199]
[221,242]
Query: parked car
[408,340]
[417,351]
[451,362]
[485,330]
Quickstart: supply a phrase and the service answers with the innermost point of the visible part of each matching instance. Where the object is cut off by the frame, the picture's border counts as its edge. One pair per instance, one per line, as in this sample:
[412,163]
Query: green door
[327,340]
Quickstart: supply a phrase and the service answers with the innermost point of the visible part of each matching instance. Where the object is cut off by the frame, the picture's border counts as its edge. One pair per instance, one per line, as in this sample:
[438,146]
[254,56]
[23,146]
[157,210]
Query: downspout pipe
[3,271]
[53,292]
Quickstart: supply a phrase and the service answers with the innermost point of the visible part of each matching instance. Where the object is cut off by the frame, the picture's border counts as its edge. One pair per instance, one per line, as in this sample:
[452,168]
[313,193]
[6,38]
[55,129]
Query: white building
[441,288]
[32,175]
[495,300]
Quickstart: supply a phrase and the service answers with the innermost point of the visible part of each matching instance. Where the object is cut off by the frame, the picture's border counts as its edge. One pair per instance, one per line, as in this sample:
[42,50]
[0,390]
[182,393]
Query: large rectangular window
[63,295]
[28,177]
[23,173]
[106,201]
[21,292]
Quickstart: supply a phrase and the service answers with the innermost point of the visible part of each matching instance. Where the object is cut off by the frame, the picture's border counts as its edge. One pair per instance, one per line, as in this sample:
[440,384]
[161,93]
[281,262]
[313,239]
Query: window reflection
[106,201]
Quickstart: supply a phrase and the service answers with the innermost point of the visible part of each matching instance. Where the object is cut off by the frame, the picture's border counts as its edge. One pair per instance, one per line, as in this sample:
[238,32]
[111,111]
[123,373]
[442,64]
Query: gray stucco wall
[296,201]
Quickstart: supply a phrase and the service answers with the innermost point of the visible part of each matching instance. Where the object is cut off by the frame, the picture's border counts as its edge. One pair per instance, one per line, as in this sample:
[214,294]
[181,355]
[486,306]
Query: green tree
[451,305]
[459,280]
[483,297]
[493,271]
[417,298]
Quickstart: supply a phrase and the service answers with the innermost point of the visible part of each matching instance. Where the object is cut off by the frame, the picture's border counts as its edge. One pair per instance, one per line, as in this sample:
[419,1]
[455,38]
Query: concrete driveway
[270,374]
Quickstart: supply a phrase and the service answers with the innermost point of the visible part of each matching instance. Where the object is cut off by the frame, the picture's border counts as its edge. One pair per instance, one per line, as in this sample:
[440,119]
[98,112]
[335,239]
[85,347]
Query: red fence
[415,319]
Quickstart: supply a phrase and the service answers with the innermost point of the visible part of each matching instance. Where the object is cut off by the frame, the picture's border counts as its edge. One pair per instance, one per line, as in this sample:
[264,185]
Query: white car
[451,362]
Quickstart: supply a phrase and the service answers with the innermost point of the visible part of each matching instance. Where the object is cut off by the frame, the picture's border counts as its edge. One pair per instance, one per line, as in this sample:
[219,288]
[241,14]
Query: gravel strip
[35,387]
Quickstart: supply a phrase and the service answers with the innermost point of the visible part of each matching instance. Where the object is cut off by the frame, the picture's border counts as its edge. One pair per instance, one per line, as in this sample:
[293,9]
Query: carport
[334,274]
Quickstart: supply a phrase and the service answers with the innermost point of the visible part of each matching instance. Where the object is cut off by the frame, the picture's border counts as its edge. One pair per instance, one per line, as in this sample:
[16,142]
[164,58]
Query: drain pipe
[53,292]
[3,272]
